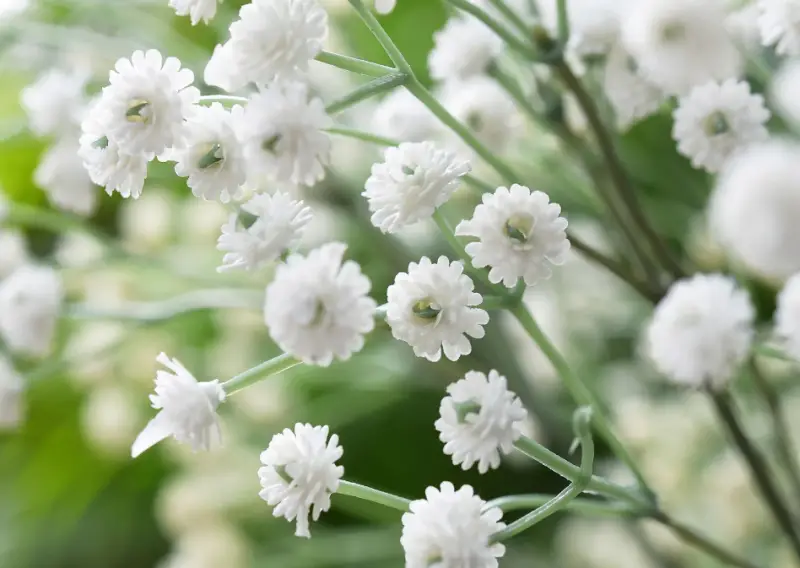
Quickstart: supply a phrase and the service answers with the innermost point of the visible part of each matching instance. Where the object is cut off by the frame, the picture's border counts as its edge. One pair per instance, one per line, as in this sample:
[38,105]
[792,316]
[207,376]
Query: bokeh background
[70,496]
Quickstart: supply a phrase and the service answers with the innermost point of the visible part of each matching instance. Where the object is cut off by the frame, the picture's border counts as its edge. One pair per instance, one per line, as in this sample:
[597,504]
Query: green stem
[369,494]
[374,87]
[512,16]
[260,372]
[223,99]
[510,38]
[383,38]
[774,353]
[563,22]
[582,506]
[354,65]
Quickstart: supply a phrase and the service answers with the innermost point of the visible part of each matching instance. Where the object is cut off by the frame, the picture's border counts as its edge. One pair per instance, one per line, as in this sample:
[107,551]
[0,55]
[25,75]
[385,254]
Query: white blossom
[716,119]
[221,69]
[478,419]
[779,23]
[632,96]
[701,330]
[755,207]
[13,251]
[463,48]
[11,395]
[30,303]
[432,308]
[56,102]
[196,9]
[384,6]
[280,222]
[187,409]
[283,135]
[520,235]
[787,317]
[318,307]
[403,117]
[67,183]
[300,474]
[451,529]
[212,157]
[785,90]
[413,180]
[594,24]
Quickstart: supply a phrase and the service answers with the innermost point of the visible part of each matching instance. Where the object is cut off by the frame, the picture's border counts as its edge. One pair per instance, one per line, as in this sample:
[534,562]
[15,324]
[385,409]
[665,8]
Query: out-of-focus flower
[632,96]
[465,47]
[11,395]
[65,180]
[30,302]
[403,117]
[196,9]
[55,103]
[384,6]
[785,90]
[779,22]
[221,70]
[110,418]
[13,251]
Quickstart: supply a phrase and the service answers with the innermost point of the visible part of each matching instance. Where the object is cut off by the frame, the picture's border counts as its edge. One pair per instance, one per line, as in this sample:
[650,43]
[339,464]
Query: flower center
[426,310]
[464,409]
[716,123]
[101,143]
[408,170]
[518,228]
[673,31]
[139,110]
[475,121]
[271,143]
[213,157]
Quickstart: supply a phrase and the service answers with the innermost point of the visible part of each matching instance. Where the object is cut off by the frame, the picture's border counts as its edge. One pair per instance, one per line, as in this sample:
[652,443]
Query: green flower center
[518,228]
[213,157]
[426,309]
[716,123]
[138,111]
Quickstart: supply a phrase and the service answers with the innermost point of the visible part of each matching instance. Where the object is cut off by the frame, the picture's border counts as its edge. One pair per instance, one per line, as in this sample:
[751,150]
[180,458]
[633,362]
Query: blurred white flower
[478,419]
[779,22]
[451,528]
[144,106]
[11,395]
[742,24]
[212,157]
[758,191]
[701,330]
[283,135]
[110,418]
[594,24]
[463,48]
[787,316]
[280,221]
[147,223]
[432,307]
[413,180]
[276,38]
[717,119]
[384,6]
[221,69]
[67,183]
[632,96]
[196,9]
[187,409]
[30,303]
[210,544]
[13,251]
[300,474]
[785,90]
[403,117]
[55,103]
[520,235]
[679,44]
[317,306]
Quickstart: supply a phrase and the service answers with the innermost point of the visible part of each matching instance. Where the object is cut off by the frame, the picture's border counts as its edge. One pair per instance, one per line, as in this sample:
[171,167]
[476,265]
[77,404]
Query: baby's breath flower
[67,183]
[56,101]
[403,117]
[779,22]
[385,6]
[632,96]
[30,302]
[463,48]
[196,9]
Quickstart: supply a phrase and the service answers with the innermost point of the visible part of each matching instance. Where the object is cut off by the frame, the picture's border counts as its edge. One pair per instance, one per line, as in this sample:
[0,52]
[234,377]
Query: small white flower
[384,6]
[11,389]
[432,308]
[403,117]
[317,307]
[146,102]
[300,474]
[755,207]
[521,234]
[221,70]
[55,102]
[280,222]
[283,135]
[187,410]
[785,90]
[451,529]
[67,183]
[787,316]
[277,38]
[594,24]
[632,96]
[479,419]
[13,251]
[463,48]
[212,157]
[196,9]
[30,302]
[701,330]
[716,119]
[779,22]
[679,44]
[412,181]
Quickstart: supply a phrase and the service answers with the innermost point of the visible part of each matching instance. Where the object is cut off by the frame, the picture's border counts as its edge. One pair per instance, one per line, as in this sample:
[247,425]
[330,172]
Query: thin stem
[510,38]
[774,353]
[383,38]
[758,467]
[354,65]
[223,99]
[260,372]
[369,494]
[511,15]
[363,92]
[563,22]
[582,506]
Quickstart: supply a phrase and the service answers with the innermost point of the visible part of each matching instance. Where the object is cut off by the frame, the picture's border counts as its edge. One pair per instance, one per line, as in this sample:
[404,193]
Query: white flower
[755,207]
[146,102]
[787,316]
[479,419]
[594,24]
[403,117]
[30,302]
[221,70]
[742,23]
[785,90]
[779,22]
[451,529]
[463,48]
[283,134]
[55,102]
[317,307]
[520,235]
[412,181]
[212,157]
[187,409]
[431,307]
[277,38]
[197,9]
[384,6]
[632,96]
[67,183]
[701,330]
[13,251]
[280,222]
[679,44]
[716,119]
[11,388]
[300,474]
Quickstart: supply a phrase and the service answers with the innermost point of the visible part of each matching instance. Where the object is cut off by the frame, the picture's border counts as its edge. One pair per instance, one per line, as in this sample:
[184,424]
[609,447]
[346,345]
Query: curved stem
[511,15]
[510,38]
[353,64]
[383,38]
[369,494]
[363,92]
[260,372]
[582,506]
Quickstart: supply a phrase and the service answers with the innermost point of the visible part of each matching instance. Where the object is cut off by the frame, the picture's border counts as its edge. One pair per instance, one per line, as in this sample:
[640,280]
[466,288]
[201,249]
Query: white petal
[156,430]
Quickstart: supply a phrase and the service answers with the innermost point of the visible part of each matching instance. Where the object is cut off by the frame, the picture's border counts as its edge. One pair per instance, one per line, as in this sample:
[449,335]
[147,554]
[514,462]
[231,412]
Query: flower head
[56,101]
[480,418]
[300,474]
[779,23]
[631,95]
[787,316]
[317,307]
[196,9]
[465,47]
[520,235]
[701,330]
[450,529]
[67,183]
[187,409]
[403,117]
[412,181]
[30,302]
[432,308]
[279,223]
[221,70]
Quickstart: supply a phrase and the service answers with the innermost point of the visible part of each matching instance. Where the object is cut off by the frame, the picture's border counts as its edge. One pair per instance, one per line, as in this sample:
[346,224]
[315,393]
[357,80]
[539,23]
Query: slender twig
[365,91]
[369,494]
[223,99]
[354,65]
[563,22]
[383,38]
[511,39]
[511,15]
[260,372]
[595,507]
